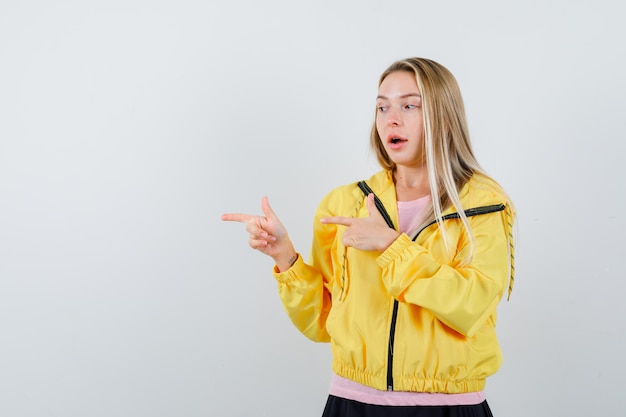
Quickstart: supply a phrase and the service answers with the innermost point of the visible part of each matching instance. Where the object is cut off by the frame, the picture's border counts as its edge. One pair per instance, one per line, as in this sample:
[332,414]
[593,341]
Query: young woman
[407,268]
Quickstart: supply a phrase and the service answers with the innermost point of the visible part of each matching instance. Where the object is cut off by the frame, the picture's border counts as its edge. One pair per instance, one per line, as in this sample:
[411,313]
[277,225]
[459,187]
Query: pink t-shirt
[410,214]
[346,388]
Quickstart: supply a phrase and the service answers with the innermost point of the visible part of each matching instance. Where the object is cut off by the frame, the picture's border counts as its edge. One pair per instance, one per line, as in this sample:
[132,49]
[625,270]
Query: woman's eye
[382,108]
[410,106]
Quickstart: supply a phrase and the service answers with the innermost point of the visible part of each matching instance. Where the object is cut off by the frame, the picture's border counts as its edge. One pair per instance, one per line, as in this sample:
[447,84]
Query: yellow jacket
[414,317]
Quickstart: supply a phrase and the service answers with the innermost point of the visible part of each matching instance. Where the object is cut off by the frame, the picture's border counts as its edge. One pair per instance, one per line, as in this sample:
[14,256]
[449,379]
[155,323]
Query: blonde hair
[450,161]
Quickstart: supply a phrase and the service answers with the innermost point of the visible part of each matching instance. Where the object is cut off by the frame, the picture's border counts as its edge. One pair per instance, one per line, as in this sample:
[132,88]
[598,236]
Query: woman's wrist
[286,258]
[388,240]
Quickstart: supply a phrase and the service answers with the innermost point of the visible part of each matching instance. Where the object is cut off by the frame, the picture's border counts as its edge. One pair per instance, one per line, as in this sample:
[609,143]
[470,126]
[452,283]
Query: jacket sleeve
[461,295]
[304,288]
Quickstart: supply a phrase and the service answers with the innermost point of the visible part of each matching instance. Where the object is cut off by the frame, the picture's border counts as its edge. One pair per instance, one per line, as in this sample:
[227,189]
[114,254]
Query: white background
[128,127]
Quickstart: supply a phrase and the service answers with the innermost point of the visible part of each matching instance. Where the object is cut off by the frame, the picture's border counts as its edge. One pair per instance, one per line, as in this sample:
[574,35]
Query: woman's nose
[393,117]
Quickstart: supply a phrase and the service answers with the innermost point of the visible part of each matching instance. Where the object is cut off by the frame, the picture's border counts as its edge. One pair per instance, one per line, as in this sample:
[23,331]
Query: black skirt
[340,407]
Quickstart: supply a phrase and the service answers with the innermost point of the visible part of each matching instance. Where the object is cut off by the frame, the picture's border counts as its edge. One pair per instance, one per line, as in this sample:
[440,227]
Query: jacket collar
[479,191]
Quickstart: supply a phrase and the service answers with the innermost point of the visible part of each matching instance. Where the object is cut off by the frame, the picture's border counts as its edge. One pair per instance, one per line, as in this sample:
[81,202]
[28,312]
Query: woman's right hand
[267,235]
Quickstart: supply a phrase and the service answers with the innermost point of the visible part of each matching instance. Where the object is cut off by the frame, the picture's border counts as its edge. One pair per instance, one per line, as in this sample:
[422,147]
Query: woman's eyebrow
[379,97]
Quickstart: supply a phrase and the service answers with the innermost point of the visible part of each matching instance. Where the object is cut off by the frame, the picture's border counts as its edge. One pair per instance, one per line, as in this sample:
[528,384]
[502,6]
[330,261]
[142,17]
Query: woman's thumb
[267,209]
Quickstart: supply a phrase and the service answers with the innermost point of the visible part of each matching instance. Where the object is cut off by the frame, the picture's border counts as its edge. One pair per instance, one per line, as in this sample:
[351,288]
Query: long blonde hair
[450,161]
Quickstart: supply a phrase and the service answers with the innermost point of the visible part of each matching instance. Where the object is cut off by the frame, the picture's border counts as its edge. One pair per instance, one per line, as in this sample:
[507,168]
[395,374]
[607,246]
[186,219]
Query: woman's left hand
[368,233]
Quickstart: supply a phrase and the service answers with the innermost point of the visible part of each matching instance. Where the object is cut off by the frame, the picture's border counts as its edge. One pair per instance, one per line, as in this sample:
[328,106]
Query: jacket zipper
[394,316]
[392,335]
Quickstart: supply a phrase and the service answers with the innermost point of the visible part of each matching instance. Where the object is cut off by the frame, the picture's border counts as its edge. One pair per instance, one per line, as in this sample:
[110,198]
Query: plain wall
[128,127]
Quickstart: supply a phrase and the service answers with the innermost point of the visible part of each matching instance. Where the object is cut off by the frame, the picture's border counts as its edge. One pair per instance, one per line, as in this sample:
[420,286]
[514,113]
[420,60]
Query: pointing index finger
[343,221]
[237,217]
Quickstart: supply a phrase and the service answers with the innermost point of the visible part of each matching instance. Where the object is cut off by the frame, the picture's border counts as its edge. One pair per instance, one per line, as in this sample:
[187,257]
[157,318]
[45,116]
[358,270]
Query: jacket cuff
[290,274]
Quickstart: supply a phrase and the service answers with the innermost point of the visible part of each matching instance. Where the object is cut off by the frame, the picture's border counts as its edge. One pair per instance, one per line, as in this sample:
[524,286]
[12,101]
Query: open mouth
[396,139]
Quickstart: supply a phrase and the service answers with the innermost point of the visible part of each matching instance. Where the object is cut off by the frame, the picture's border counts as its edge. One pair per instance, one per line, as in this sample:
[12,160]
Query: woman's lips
[396,142]
[394,138]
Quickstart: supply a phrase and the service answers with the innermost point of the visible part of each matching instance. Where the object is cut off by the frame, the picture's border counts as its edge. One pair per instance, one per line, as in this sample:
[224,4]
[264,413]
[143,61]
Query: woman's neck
[411,183]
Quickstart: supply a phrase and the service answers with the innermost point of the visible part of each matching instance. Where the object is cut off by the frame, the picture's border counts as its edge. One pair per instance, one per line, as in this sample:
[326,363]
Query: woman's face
[399,119]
